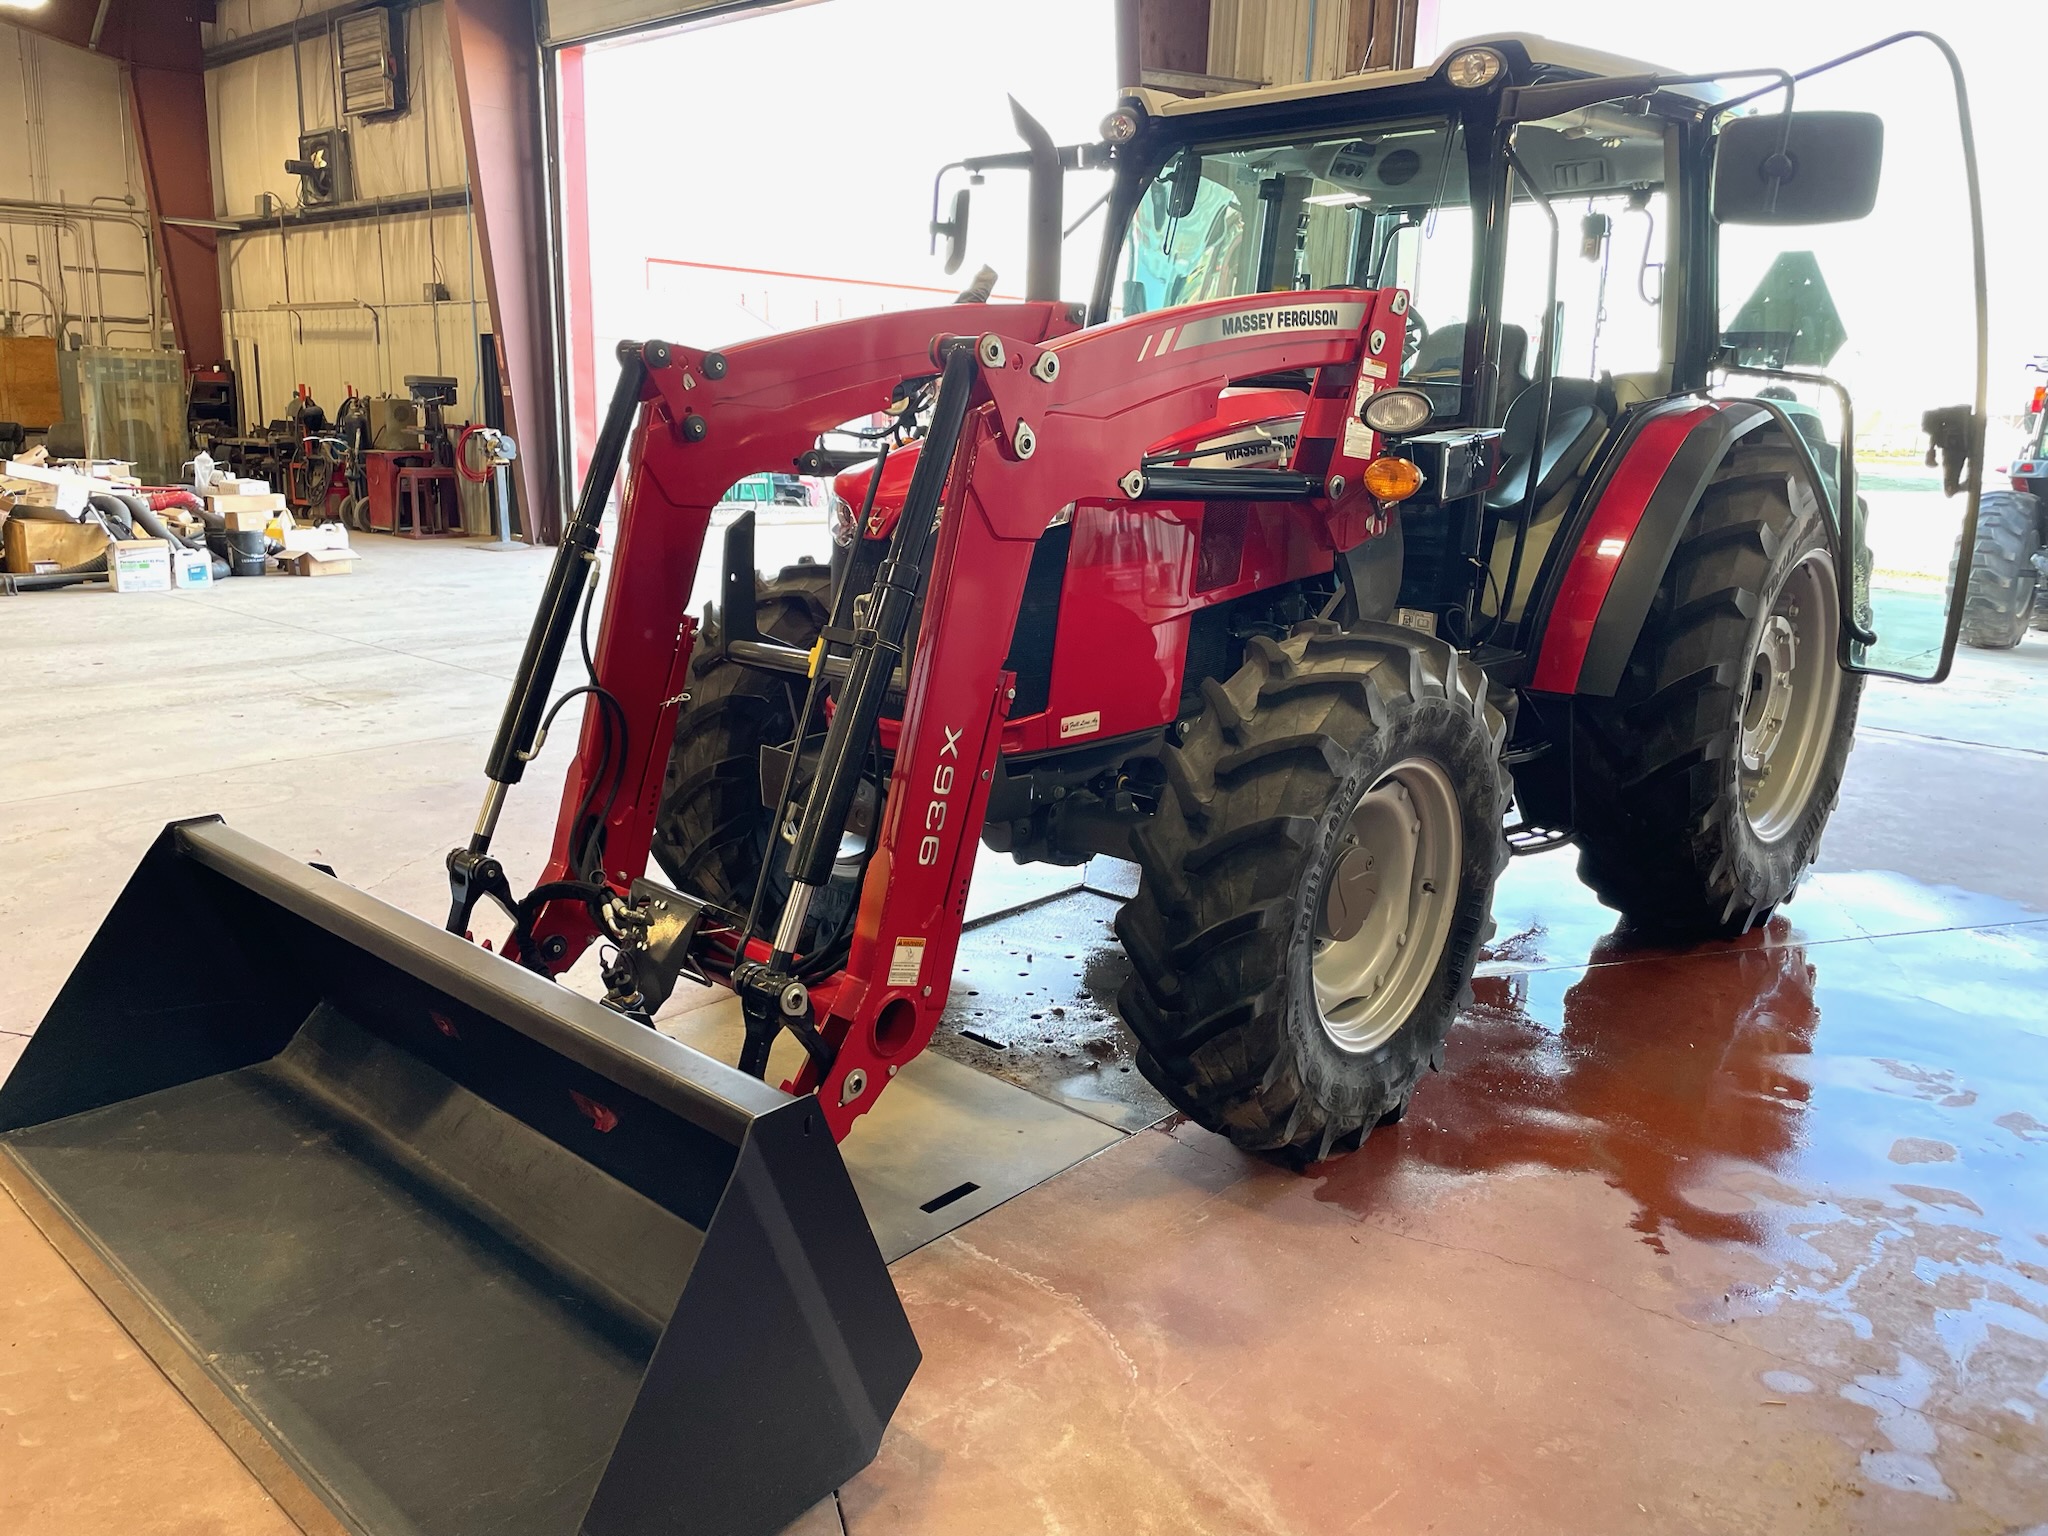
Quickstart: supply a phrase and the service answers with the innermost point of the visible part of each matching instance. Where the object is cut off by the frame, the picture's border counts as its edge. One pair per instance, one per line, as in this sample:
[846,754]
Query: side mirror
[1186,180]
[1818,168]
[953,231]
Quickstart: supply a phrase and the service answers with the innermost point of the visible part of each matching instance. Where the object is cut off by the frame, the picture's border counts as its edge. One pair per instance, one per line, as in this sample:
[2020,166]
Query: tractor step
[1525,839]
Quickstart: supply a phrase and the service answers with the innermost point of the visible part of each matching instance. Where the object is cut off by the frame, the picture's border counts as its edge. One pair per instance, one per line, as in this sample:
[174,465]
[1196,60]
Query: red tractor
[1249,573]
[1244,570]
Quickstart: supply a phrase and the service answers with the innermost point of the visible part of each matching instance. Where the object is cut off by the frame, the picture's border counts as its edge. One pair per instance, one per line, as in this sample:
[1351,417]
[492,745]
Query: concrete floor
[1747,1238]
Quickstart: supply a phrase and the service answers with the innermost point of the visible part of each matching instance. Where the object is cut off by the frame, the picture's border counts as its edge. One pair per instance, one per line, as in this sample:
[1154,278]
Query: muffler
[469,1252]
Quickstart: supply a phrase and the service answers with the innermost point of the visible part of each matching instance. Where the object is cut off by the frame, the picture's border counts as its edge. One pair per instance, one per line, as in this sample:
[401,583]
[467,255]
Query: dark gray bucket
[472,1253]
[247,553]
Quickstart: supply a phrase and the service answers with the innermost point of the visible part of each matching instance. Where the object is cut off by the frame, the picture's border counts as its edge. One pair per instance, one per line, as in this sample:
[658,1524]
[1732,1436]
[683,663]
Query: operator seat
[1577,422]
[1442,356]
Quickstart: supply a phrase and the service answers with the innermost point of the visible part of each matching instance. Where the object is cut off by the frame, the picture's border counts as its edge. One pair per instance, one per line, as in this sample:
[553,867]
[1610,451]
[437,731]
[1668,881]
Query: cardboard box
[319,537]
[246,522]
[223,502]
[33,544]
[191,568]
[318,562]
[140,565]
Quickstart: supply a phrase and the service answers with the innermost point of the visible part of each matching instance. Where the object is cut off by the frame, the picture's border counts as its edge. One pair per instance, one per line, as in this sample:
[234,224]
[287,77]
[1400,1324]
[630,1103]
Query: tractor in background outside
[2009,557]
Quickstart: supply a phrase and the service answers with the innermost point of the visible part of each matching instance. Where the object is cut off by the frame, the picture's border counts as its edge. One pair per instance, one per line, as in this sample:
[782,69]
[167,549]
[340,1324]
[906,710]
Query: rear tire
[713,836]
[2003,593]
[1228,935]
[1680,827]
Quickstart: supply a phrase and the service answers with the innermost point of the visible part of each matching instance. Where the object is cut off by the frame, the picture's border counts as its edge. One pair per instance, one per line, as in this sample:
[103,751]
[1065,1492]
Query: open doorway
[767,171]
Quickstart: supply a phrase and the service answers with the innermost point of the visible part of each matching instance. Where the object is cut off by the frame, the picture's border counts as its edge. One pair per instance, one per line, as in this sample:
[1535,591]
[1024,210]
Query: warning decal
[906,962]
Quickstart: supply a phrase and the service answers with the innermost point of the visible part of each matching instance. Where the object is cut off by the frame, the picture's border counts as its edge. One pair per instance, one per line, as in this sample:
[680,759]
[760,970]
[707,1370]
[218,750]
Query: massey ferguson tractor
[1403,498]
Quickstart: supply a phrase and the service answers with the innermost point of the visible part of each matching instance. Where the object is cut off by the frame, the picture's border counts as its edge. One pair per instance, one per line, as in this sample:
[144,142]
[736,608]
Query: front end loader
[1244,571]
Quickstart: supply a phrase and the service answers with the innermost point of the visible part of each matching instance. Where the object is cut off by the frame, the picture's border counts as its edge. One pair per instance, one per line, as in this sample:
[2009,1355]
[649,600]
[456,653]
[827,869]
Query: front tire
[1315,886]
[2003,593]
[1704,784]
[713,837]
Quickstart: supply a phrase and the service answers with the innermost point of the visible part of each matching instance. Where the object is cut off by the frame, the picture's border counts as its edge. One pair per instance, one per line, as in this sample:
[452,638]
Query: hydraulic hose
[519,726]
[895,593]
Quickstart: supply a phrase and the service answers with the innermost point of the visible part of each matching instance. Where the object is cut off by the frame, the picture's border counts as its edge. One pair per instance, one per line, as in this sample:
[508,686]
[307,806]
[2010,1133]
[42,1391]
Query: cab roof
[1542,53]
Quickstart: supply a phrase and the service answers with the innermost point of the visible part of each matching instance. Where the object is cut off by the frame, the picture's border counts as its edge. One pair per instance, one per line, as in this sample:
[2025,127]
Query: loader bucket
[470,1252]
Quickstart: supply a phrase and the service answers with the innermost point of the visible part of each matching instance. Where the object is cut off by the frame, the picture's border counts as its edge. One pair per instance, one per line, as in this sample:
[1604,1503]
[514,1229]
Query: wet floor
[1746,1236]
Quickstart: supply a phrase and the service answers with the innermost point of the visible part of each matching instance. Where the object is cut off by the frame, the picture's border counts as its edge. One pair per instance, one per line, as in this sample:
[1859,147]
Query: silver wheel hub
[1387,905]
[1791,695]
[1770,692]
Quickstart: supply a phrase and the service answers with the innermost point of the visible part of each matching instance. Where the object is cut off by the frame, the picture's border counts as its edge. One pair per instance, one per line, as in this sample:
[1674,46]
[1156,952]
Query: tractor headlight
[1120,127]
[1397,412]
[1473,68]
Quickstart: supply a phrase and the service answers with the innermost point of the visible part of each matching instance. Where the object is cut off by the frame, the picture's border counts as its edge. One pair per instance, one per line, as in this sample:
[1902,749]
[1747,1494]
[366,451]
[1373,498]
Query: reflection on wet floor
[1832,1133]
[1865,1119]
[1544,917]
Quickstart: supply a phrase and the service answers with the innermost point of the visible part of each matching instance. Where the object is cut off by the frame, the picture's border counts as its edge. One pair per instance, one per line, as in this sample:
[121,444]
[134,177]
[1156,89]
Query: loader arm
[1054,420]
[693,439]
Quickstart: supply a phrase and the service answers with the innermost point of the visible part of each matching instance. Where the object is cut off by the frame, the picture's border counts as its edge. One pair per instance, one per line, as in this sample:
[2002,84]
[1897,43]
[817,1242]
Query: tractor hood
[1253,428]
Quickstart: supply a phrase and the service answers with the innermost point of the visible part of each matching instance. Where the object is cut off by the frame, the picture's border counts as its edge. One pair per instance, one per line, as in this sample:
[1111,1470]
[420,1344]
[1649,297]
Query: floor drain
[957,1192]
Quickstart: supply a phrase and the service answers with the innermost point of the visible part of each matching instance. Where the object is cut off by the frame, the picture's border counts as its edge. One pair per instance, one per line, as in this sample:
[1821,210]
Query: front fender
[1629,529]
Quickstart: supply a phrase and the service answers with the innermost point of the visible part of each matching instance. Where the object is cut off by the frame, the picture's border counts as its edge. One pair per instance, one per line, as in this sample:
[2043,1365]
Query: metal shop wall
[75,255]
[387,285]
[1198,47]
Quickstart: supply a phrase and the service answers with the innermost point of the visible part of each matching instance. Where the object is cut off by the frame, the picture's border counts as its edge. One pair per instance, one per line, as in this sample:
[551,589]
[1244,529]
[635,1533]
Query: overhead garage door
[576,21]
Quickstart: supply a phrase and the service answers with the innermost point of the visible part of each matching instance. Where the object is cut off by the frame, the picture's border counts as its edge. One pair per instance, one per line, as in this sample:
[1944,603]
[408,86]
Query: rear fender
[1630,526]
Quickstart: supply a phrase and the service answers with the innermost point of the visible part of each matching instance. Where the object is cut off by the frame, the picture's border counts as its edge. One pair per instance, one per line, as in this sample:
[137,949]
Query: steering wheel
[1411,342]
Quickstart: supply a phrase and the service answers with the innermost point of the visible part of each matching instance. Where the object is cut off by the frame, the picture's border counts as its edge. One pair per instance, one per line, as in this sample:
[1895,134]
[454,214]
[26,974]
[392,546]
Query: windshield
[1328,213]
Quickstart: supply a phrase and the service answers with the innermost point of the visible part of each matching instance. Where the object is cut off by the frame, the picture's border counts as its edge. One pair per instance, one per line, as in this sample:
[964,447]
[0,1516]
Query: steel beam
[497,80]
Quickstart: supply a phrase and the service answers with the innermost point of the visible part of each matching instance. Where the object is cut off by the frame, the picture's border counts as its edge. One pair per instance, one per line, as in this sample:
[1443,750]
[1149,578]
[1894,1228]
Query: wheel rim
[1789,699]
[1386,905]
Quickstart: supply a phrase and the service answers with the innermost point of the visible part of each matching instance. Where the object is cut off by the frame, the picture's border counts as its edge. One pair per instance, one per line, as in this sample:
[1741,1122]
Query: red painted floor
[1752,1237]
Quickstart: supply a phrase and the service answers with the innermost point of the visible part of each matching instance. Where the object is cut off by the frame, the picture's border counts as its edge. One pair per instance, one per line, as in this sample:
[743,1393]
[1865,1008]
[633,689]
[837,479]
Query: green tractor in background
[2009,561]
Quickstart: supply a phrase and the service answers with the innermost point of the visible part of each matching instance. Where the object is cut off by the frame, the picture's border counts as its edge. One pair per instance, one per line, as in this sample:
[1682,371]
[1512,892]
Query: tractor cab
[1586,241]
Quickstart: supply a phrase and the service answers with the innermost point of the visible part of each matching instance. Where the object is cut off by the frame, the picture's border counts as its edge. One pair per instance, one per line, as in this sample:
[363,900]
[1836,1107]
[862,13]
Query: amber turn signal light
[1391,479]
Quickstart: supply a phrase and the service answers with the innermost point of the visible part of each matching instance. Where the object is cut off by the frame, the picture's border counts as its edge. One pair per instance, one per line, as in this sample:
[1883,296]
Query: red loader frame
[1054,419]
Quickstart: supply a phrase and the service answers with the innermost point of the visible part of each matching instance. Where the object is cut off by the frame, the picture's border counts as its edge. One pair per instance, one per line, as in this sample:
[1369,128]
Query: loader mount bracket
[654,928]
[472,877]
